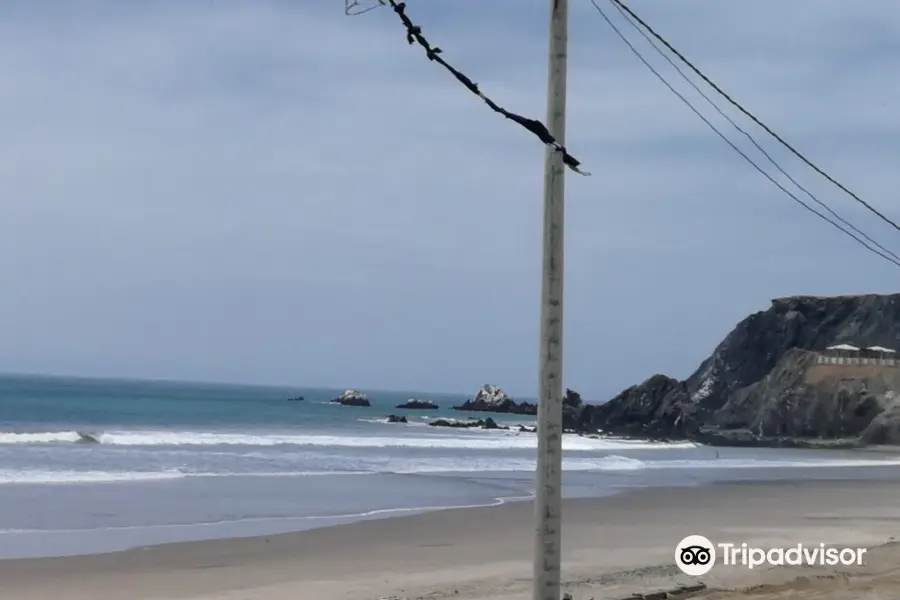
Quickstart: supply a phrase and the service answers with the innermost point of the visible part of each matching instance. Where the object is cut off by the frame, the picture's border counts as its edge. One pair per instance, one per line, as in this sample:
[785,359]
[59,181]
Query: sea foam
[449,440]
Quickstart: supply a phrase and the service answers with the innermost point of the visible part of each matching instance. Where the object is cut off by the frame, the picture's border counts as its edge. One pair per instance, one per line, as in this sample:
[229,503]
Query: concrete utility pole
[548,478]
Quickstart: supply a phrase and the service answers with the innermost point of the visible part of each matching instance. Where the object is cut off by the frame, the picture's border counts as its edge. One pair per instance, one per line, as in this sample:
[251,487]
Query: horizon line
[197,382]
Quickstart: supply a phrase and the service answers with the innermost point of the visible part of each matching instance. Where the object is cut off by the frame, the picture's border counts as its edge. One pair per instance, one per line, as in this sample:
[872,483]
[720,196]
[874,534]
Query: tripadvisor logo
[696,555]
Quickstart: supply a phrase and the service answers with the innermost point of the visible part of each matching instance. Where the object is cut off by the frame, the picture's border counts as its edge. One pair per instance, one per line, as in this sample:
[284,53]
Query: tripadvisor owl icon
[695,555]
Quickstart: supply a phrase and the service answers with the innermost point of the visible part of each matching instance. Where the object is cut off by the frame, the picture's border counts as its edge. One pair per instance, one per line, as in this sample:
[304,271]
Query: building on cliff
[846,354]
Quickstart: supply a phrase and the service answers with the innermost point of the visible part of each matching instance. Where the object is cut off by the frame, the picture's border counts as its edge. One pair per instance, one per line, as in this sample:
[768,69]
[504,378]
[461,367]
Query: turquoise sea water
[180,461]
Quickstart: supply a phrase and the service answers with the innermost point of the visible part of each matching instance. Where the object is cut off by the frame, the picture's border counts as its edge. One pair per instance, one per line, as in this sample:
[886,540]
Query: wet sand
[613,547]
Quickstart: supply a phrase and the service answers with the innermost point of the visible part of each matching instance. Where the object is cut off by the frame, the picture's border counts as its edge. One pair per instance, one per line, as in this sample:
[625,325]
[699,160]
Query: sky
[274,192]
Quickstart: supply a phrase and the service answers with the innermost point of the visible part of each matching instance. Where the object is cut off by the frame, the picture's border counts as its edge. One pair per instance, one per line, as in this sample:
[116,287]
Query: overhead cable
[626,16]
[621,5]
[885,255]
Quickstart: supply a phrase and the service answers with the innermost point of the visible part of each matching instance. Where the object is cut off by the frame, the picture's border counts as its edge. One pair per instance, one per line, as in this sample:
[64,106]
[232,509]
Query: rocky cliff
[763,386]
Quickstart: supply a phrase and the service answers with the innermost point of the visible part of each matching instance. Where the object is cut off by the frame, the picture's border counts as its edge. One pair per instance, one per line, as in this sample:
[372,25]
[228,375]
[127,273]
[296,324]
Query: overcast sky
[273,192]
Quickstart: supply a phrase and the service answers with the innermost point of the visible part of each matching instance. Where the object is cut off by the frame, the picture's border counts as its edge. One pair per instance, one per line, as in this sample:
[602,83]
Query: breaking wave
[608,463]
[449,440]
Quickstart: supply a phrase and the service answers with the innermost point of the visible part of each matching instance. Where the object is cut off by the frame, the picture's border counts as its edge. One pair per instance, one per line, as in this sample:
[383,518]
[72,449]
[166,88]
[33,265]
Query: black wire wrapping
[414,35]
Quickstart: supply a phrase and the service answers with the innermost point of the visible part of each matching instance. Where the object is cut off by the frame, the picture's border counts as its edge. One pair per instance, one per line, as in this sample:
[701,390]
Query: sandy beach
[614,547]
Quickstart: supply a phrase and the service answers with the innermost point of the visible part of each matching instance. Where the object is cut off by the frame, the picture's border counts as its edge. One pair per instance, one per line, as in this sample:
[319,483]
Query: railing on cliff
[825,359]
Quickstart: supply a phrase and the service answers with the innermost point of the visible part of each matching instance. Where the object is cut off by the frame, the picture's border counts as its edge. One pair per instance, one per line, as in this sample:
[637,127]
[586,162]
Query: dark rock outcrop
[762,385]
[488,423]
[416,404]
[396,419]
[352,398]
[658,407]
[491,398]
[577,415]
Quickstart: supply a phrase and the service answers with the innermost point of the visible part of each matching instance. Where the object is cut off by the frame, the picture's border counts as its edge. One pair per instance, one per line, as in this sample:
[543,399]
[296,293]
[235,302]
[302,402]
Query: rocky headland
[766,384]
[772,381]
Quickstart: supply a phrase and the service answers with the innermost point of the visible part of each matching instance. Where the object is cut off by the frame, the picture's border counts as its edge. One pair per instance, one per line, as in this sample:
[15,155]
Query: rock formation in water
[491,398]
[396,419]
[352,398]
[416,404]
[763,384]
[488,423]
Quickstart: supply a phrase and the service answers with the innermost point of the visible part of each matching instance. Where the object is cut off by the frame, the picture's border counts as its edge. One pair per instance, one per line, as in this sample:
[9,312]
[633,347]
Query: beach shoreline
[613,546]
[158,513]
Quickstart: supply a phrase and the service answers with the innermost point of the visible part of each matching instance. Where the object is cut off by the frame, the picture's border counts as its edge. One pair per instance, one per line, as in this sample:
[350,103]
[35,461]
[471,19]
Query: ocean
[189,461]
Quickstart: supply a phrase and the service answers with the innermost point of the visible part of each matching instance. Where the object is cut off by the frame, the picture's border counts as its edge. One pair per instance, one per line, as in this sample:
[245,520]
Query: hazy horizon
[274,385]
[275,192]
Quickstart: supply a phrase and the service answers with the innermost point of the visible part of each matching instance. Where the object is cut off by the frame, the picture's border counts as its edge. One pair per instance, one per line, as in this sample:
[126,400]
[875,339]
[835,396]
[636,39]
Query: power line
[621,5]
[749,136]
[414,35]
[734,147]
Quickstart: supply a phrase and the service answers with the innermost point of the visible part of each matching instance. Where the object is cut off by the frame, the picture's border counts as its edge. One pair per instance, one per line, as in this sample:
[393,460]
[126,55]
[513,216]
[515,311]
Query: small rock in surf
[416,404]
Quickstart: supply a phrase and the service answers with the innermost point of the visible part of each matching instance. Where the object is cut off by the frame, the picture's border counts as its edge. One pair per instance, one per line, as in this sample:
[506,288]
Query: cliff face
[659,407]
[762,385]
